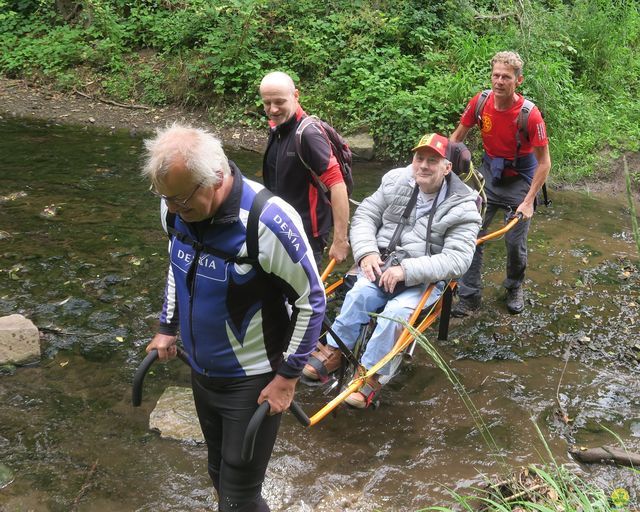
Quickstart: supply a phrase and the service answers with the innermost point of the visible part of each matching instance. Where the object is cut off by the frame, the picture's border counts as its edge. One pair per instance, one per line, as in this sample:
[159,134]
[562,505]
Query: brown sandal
[362,398]
[322,361]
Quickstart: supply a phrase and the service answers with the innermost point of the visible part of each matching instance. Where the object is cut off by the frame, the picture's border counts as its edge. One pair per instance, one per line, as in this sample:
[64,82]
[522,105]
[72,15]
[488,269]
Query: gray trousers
[507,197]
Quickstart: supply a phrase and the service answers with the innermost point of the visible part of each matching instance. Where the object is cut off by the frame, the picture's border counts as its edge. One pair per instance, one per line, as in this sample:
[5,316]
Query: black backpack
[339,148]
[522,124]
[460,157]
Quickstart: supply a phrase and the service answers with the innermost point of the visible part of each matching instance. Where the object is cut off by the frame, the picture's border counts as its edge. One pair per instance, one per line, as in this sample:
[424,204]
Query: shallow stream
[82,254]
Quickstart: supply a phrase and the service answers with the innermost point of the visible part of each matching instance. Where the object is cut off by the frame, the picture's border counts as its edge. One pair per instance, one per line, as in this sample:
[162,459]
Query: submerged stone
[6,476]
[175,416]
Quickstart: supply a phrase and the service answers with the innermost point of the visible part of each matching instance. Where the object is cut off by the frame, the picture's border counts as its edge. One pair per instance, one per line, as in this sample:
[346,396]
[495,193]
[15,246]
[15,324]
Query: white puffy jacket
[454,229]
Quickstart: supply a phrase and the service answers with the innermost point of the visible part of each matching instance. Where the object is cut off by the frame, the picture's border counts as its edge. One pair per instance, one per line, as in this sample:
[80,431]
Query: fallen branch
[564,416]
[56,330]
[606,455]
[111,102]
[85,486]
[494,17]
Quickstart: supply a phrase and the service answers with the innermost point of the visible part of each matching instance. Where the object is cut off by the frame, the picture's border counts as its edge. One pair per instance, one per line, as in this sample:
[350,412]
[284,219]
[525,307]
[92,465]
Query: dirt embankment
[19,98]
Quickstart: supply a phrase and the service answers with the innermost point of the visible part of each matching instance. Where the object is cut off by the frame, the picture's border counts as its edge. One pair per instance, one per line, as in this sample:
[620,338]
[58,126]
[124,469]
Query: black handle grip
[300,415]
[249,441]
[138,378]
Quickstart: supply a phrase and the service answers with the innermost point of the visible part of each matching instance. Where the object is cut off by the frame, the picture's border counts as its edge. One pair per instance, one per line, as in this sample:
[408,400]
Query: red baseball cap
[434,141]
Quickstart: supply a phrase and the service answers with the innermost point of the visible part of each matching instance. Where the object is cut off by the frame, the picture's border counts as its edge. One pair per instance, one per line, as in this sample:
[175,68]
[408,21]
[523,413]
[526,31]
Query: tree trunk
[606,454]
[68,9]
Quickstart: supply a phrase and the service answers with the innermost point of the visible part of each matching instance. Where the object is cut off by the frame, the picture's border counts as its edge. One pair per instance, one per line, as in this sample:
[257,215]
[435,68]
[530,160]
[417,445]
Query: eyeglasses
[180,203]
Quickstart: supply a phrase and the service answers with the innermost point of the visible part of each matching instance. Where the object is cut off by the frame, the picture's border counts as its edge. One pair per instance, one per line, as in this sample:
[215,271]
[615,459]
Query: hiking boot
[465,306]
[515,300]
[322,361]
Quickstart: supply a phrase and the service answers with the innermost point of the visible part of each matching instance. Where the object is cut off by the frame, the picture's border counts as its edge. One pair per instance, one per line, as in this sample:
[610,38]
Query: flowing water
[83,256]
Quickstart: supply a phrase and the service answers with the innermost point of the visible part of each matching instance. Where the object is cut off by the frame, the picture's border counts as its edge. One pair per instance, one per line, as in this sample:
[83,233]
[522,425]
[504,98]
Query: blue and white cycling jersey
[232,317]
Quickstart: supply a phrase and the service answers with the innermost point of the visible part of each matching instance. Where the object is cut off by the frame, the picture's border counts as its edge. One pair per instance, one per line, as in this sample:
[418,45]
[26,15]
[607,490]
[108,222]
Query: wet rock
[49,211]
[361,145]
[6,476]
[175,416]
[13,196]
[76,307]
[19,340]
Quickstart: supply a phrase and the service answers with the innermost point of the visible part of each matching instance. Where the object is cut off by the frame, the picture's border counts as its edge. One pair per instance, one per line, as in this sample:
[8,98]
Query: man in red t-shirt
[514,168]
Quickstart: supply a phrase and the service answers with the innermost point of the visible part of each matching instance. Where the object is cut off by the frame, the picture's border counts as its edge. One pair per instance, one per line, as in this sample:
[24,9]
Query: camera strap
[432,212]
[403,222]
[405,219]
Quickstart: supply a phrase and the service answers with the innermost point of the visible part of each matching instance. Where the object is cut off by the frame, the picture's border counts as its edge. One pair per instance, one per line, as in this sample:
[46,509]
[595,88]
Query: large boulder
[175,416]
[19,340]
[361,145]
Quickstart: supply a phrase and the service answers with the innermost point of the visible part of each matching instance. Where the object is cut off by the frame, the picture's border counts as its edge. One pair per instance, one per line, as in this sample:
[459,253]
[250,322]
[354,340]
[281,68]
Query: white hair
[200,152]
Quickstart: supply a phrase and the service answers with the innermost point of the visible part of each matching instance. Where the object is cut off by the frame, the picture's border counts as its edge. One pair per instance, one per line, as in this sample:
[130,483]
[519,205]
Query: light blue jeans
[364,298]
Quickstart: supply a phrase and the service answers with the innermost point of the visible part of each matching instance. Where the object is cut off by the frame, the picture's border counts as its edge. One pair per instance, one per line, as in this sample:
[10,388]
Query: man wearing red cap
[419,227]
[515,165]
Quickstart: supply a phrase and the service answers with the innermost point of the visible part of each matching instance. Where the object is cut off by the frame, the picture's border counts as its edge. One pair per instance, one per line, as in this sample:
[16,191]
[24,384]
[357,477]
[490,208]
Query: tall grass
[451,376]
[548,487]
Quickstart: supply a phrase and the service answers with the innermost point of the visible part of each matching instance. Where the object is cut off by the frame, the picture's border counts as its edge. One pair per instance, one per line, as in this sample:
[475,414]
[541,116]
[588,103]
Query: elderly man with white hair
[418,228]
[228,304]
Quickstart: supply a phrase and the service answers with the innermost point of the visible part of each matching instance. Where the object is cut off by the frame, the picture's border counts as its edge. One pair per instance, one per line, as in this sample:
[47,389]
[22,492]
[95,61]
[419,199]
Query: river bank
[24,99]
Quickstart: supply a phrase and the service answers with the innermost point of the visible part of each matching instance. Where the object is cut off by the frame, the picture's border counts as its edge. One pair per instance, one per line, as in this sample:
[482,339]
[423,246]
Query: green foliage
[397,68]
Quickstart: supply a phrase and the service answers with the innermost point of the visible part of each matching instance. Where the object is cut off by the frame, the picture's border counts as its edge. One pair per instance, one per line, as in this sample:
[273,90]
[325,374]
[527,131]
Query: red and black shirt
[285,174]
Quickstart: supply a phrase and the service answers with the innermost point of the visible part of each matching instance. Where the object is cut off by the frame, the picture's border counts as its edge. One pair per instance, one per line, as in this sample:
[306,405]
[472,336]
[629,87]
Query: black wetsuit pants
[225,406]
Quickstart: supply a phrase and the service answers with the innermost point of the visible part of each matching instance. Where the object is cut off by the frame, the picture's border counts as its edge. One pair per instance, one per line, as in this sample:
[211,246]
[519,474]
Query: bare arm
[539,177]
[460,133]
[340,209]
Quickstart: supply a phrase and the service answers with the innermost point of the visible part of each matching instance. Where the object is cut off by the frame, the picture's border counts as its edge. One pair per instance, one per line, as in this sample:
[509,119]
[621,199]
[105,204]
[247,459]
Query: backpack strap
[523,117]
[253,219]
[522,126]
[482,101]
[309,120]
[253,249]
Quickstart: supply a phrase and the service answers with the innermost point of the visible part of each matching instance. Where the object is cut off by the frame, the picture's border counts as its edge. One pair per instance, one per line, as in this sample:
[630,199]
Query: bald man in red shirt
[514,168]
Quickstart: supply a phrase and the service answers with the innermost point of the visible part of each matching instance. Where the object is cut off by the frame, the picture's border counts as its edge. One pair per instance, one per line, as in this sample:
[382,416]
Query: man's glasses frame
[181,203]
